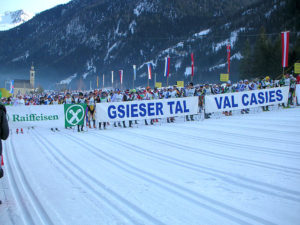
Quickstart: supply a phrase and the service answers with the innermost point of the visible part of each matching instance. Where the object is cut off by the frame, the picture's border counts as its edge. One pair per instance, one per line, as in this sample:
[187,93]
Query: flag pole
[112,79]
[103,81]
[167,81]
[134,75]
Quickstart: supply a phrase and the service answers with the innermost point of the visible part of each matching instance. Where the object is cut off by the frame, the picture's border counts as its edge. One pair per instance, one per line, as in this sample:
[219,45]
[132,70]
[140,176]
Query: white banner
[246,99]
[298,93]
[151,109]
[47,116]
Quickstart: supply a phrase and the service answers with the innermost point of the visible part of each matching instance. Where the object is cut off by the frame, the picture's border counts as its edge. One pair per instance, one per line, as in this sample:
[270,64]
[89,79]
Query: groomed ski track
[243,169]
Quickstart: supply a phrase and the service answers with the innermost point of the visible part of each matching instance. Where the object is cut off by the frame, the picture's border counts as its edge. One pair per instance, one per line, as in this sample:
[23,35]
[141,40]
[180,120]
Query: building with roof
[23,87]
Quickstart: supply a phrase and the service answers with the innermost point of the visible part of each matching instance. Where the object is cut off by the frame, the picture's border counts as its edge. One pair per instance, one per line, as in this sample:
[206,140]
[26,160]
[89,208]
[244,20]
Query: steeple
[32,76]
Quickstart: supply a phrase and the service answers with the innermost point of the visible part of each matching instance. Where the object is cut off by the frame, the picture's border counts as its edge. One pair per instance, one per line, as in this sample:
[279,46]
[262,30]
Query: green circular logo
[74,114]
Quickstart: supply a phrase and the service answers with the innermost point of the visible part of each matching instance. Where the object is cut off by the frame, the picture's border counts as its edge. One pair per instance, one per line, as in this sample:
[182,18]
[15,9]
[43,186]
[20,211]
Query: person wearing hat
[200,93]
[244,86]
[55,100]
[117,97]
[149,96]
[103,99]
[68,99]
[265,83]
[19,101]
[49,101]
[80,100]
[292,90]
[190,92]
[91,104]
[4,132]
[207,91]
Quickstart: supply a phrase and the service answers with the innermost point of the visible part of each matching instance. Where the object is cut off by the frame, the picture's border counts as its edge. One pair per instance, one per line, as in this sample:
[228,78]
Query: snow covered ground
[243,169]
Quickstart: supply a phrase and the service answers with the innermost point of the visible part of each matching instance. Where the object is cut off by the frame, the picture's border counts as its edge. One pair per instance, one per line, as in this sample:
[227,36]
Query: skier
[148,96]
[103,99]
[80,100]
[265,84]
[133,96]
[4,132]
[190,92]
[228,89]
[91,109]
[117,97]
[207,91]
[68,99]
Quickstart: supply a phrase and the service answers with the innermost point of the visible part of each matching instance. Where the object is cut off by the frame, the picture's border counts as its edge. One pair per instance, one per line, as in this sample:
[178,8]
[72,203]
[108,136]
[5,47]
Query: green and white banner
[36,116]
[74,114]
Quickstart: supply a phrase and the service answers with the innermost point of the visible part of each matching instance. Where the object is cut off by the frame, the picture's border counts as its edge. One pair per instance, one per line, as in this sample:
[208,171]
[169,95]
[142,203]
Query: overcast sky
[33,6]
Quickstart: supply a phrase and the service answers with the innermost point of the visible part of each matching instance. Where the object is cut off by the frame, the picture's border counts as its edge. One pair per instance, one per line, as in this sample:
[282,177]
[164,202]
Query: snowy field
[243,170]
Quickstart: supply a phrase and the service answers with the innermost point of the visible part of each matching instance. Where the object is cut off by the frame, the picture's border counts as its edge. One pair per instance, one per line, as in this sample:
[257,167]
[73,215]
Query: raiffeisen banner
[146,109]
[36,116]
[246,99]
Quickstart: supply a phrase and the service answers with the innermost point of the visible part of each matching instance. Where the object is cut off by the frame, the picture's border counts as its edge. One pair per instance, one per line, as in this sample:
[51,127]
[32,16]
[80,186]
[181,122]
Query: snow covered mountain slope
[94,37]
[10,19]
[239,170]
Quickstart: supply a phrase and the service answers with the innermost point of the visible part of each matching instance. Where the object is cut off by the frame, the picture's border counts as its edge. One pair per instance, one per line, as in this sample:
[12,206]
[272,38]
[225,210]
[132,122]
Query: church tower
[32,76]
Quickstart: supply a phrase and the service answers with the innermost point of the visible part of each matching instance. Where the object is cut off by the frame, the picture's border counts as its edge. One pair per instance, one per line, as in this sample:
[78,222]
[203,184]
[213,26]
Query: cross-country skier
[91,109]
[68,99]
[103,99]
[117,97]
[207,91]
[80,100]
[190,92]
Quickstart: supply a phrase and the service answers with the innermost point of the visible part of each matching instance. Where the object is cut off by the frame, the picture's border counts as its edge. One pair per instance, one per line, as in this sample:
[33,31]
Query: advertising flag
[149,71]
[285,36]
[192,56]
[228,57]
[121,76]
[134,72]
[167,66]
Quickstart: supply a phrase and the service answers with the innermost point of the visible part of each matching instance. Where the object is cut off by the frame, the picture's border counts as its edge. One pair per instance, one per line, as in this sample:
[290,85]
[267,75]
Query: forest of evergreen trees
[263,57]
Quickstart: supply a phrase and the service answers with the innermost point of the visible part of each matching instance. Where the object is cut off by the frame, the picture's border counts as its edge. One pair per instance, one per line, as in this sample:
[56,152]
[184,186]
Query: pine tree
[246,61]
[261,54]
[275,68]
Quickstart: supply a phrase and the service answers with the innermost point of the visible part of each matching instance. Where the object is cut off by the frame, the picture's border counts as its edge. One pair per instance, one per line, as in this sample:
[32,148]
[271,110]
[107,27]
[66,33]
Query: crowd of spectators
[116,95]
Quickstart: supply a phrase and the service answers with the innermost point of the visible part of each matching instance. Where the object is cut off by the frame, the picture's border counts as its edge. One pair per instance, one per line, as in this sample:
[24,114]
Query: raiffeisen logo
[33,117]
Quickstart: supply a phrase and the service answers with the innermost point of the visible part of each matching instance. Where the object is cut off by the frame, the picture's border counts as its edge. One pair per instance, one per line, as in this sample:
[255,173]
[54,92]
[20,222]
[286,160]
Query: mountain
[10,19]
[73,43]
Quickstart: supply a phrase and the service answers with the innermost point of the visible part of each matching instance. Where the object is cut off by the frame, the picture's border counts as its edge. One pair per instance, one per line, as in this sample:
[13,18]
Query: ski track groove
[214,123]
[34,201]
[181,189]
[65,173]
[26,216]
[226,133]
[99,184]
[234,145]
[210,171]
[270,123]
[6,198]
[201,151]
